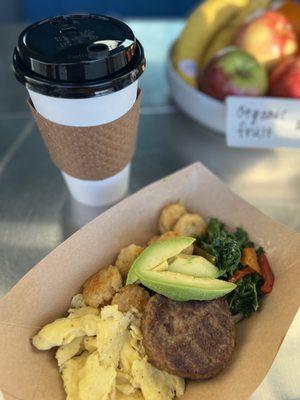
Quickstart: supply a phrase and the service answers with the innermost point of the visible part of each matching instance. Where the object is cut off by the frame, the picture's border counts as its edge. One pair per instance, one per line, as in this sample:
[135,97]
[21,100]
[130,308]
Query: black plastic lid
[80,55]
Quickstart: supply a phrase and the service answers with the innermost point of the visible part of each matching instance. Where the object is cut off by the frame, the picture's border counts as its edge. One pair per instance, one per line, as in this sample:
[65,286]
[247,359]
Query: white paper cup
[91,111]
[82,70]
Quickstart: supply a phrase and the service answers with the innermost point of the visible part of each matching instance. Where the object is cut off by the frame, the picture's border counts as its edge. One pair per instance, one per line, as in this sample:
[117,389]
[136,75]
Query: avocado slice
[156,254]
[161,267]
[181,287]
[194,266]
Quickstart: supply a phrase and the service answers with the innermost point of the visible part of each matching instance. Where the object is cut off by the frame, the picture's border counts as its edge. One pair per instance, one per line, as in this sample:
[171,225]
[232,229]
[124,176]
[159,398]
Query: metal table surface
[37,213]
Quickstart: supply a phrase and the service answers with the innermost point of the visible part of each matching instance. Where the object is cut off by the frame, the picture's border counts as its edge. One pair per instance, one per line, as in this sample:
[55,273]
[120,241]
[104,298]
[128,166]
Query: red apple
[285,78]
[268,38]
[233,72]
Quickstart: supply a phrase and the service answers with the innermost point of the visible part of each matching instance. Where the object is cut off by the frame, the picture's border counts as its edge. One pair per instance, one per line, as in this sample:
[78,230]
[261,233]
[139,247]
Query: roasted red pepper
[241,273]
[267,274]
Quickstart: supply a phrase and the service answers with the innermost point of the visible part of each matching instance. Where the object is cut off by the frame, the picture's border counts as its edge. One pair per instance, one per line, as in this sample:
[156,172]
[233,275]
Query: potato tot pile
[169,215]
[175,218]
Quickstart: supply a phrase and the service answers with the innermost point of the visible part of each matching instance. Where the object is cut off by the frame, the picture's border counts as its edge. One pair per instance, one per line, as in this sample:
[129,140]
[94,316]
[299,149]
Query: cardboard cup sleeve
[92,152]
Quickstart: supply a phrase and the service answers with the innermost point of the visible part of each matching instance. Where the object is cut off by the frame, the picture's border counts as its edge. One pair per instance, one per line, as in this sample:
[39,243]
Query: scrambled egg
[80,312]
[155,384]
[65,330]
[101,356]
[70,375]
[90,343]
[112,334]
[67,351]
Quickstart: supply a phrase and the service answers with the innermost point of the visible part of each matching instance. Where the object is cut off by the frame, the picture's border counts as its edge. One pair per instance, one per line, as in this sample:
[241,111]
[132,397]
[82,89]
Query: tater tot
[131,296]
[126,257]
[99,289]
[164,236]
[168,235]
[190,225]
[169,215]
[154,239]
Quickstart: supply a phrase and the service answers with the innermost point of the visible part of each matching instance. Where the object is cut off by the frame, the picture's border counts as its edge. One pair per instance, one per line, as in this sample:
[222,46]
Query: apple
[285,78]
[232,71]
[268,38]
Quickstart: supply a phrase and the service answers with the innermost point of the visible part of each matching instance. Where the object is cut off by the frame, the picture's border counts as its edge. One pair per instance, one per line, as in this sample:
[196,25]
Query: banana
[224,37]
[201,27]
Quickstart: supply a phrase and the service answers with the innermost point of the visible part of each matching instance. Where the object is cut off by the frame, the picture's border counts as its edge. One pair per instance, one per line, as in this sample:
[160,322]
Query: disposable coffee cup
[82,71]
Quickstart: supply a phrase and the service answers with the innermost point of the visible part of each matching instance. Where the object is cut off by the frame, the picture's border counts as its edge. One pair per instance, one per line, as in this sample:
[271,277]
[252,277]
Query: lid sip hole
[97,50]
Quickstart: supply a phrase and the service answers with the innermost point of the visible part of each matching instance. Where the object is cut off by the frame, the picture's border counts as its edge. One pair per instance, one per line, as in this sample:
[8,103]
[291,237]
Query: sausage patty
[192,339]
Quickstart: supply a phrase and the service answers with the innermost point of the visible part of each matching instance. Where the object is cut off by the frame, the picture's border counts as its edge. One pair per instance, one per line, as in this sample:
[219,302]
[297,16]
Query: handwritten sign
[262,122]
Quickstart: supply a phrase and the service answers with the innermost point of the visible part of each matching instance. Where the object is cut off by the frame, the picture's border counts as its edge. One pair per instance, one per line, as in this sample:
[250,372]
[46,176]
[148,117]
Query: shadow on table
[75,215]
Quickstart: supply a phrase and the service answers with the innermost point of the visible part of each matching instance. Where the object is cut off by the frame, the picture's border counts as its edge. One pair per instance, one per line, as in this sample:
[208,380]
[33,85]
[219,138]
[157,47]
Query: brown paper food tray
[44,293]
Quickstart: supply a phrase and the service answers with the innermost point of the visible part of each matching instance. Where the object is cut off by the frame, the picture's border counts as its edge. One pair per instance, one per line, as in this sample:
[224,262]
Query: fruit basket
[235,48]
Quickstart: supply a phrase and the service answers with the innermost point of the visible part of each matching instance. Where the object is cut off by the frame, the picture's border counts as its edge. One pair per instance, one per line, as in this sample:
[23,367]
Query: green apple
[233,72]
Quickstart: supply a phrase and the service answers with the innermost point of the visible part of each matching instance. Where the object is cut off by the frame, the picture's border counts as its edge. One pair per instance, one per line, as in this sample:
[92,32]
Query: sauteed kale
[223,246]
[229,250]
[246,297]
